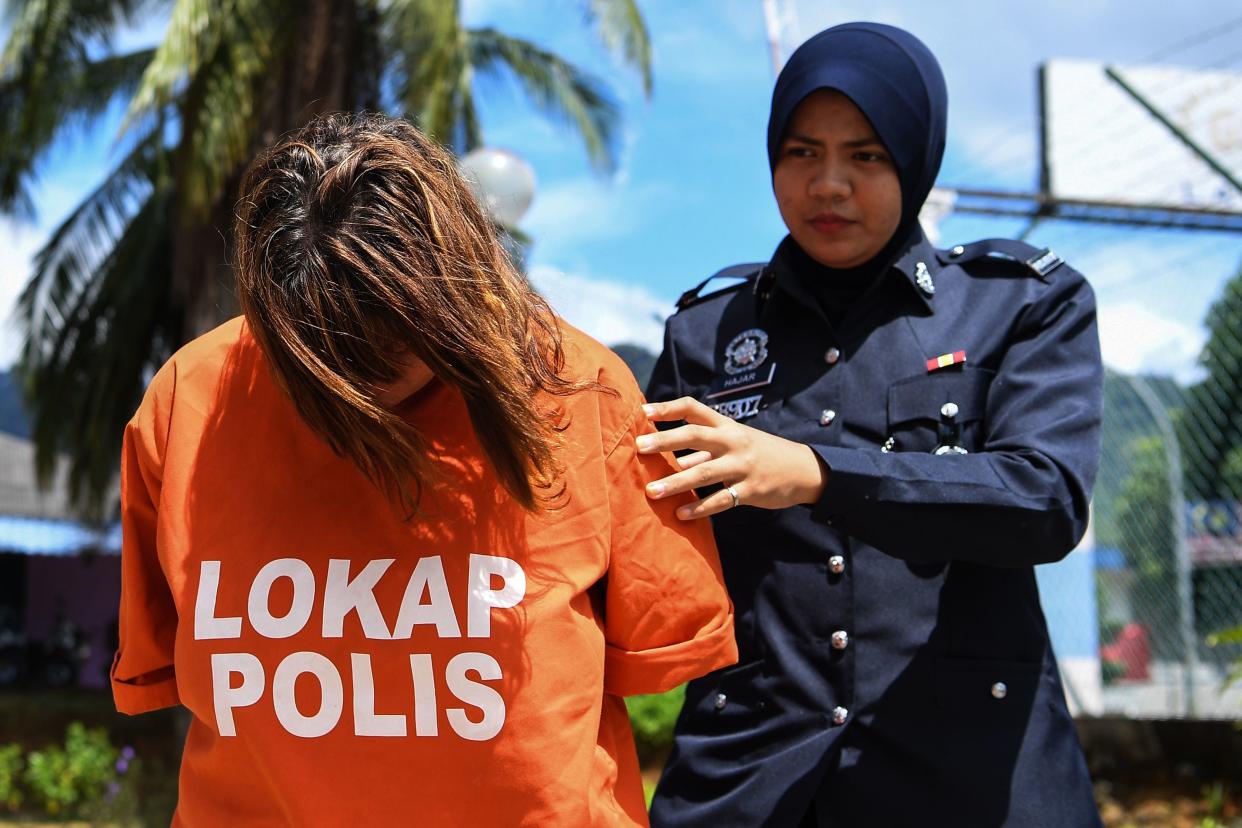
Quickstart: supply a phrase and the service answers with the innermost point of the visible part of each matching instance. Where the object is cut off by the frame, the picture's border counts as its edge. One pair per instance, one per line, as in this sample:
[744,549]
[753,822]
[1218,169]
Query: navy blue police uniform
[895,667]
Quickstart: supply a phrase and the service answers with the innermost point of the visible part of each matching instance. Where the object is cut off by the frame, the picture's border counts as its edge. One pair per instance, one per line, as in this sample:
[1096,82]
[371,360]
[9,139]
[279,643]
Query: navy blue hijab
[897,84]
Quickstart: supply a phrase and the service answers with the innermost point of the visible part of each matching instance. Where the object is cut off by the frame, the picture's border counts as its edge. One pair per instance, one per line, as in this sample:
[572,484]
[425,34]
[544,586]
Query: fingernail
[644,442]
[649,410]
[684,513]
[655,489]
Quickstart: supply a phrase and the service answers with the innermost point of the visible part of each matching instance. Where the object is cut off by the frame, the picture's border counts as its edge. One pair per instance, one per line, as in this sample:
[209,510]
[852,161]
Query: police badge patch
[746,351]
[744,369]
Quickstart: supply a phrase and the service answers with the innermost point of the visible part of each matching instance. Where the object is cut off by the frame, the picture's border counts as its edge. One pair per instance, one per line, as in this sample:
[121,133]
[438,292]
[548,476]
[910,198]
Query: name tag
[739,409]
[746,381]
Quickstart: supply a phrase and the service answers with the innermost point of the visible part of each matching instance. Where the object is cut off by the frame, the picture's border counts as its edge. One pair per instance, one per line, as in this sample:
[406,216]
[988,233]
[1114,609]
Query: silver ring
[737,499]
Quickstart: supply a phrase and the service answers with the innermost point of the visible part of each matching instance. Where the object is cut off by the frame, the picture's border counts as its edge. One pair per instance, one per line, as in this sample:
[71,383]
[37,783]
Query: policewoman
[887,438]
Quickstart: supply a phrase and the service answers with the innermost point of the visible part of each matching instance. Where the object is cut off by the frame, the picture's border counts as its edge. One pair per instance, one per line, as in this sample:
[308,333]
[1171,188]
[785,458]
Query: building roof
[41,522]
[41,536]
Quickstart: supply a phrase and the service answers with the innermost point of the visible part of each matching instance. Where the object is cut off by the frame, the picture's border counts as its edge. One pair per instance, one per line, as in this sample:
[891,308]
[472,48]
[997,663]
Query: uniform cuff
[150,691]
[853,483]
[633,673]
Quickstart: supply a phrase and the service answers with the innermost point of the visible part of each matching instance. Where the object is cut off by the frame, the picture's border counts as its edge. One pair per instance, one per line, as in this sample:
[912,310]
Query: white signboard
[1101,143]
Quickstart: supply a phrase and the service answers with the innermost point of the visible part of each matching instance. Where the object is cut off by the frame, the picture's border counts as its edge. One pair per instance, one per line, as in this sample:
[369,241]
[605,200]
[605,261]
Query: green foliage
[1143,506]
[1109,630]
[653,718]
[11,764]
[1214,798]
[1127,419]
[624,32]
[1214,465]
[64,779]
[1111,671]
[85,777]
[1232,636]
[555,86]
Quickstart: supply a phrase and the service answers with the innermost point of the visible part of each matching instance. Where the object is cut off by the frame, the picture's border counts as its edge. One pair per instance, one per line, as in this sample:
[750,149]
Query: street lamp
[502,181]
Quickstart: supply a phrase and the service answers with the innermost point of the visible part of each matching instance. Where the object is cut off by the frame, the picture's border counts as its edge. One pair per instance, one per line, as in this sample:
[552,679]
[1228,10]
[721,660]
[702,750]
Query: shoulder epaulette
[746,273]
[1039,261]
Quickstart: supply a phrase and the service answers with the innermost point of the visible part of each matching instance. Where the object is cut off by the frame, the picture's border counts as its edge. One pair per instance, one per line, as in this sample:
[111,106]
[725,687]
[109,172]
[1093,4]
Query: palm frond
[218,109]
[555,86]
[621,27]
[68,260]
[430,72]
[49,82]
[84,377]
[95,18]
[194,32]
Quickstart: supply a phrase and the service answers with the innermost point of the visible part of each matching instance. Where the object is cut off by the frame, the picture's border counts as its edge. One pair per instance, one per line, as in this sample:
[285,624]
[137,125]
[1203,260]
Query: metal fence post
[1177,498]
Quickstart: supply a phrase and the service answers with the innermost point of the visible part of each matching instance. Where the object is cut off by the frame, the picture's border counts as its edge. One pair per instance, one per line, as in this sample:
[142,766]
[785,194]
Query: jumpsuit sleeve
[1023,499]
[142,670]
[667,615]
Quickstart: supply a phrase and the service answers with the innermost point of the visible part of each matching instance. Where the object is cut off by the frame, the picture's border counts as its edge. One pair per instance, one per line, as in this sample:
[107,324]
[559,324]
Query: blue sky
[692,193]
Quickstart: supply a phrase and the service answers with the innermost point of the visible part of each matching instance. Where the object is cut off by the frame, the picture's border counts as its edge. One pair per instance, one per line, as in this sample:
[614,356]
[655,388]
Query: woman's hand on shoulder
[764,470]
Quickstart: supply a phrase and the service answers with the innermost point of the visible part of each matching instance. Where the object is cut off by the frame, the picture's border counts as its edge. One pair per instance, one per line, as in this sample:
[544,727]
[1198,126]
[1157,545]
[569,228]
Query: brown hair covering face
[359,244]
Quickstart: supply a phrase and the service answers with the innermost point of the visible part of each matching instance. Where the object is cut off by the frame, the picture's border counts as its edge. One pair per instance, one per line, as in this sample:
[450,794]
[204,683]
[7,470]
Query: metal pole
[1177,502]
[1179,133]
[772,20]
[1045,201]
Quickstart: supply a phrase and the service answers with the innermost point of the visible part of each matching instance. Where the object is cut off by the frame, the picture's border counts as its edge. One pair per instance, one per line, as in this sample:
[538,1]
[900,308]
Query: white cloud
[1136,340]
[612,312]
[588,209]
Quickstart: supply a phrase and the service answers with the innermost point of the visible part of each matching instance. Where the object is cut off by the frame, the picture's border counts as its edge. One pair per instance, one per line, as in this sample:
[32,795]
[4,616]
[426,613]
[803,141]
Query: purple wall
[89,590]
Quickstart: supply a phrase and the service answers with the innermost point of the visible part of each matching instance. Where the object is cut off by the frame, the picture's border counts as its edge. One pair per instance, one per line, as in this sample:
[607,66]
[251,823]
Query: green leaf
[194,31]
[555,86]
[430,70]
[622,29]
[48,83]
[1229,636]
[84,375]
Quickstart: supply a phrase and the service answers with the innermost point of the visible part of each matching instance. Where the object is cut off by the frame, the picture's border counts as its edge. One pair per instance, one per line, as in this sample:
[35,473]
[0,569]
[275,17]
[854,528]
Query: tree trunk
[332,65]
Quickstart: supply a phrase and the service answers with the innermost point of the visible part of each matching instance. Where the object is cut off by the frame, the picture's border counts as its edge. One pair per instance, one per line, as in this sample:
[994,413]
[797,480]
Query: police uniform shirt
[894,659]
[895,668]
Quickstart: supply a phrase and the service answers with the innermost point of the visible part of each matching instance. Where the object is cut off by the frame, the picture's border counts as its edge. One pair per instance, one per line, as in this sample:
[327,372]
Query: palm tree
[140,265]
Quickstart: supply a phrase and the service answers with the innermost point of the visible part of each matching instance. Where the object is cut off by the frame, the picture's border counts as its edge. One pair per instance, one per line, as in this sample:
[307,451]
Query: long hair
[358,244]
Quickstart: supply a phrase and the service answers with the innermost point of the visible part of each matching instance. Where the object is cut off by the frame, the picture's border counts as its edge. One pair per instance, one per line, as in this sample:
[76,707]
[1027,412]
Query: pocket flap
[920,397]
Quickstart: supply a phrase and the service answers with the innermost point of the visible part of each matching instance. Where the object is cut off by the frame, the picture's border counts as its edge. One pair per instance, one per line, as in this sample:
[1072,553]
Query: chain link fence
[1141,615]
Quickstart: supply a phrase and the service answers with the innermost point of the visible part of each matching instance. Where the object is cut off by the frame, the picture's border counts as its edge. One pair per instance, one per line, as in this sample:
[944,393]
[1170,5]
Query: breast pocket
[915,405]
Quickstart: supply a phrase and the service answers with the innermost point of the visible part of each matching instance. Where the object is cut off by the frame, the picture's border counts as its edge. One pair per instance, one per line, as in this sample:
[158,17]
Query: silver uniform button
[840,640]
[839,715]
[827,416]
[832,355]
[957,251]
[948,410]
[836,564]
[999,690]
[721,701]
